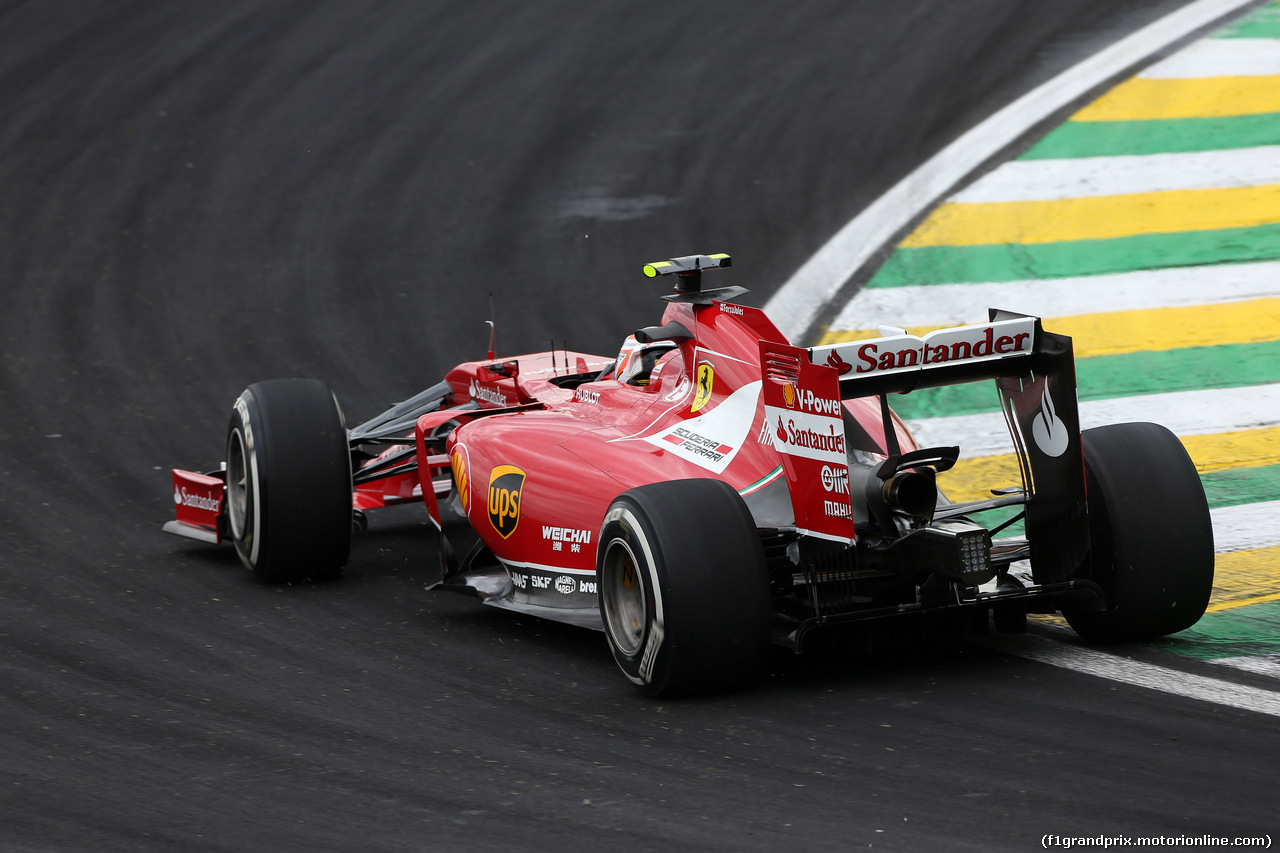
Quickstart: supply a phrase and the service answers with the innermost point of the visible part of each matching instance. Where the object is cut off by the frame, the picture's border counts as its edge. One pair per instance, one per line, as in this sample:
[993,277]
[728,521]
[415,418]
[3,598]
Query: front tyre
[289,481]
[683,588]
[1152,539]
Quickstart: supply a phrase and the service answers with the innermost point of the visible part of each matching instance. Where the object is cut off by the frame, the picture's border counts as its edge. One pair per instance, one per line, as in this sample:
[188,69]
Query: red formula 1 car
[714,489]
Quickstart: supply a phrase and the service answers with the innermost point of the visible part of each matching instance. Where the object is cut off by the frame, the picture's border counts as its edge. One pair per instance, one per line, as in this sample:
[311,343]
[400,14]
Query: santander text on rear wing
[902,362]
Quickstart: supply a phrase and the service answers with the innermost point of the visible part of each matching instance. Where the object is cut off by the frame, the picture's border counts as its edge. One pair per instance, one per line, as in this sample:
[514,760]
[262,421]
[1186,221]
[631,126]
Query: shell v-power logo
[505,486]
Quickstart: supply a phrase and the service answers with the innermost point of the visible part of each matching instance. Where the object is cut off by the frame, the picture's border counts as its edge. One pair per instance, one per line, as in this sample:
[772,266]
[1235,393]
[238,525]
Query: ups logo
[505,485]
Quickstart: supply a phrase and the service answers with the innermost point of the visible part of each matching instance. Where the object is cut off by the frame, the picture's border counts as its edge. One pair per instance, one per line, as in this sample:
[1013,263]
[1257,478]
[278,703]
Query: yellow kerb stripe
[1099,217]
[973,479]
[1206,97]
[1250,321]
[1241,578]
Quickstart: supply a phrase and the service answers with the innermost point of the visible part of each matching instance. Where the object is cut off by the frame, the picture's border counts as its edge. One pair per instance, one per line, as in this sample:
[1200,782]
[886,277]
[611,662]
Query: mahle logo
[505,485]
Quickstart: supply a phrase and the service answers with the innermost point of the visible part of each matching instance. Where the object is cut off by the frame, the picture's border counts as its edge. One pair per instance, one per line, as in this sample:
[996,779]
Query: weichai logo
[461,480]
[505,485]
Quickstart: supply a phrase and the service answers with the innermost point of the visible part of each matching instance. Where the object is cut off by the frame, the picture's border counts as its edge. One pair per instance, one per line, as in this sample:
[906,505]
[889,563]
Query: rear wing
[1034,373]
[900,363]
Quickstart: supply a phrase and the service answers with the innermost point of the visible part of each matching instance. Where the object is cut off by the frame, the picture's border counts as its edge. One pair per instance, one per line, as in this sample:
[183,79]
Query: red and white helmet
[636,360]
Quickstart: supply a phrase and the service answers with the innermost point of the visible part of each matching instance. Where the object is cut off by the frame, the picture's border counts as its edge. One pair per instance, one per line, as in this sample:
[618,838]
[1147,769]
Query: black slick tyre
[683,588]
[1152,538]
[289,481]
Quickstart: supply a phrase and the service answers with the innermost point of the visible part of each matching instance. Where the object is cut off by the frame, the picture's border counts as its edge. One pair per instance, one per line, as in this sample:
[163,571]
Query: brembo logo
[487,395]
[506,484]
[182,497]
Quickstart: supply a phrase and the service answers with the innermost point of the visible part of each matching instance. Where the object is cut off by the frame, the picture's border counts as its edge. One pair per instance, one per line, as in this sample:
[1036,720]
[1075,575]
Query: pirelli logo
[506,484]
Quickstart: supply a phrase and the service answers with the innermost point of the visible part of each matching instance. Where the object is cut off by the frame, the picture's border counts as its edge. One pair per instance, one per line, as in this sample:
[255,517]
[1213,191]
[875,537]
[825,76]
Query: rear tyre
[1152,539]
[683,588]
[289,481]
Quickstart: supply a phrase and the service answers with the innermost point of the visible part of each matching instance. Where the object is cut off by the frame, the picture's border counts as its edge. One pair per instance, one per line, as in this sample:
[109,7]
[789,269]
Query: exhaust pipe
[911,492]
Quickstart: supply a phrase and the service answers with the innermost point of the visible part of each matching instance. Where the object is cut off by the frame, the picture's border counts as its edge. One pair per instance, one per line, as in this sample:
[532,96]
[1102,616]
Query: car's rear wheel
[289,481]
[683,588]
[1152,539]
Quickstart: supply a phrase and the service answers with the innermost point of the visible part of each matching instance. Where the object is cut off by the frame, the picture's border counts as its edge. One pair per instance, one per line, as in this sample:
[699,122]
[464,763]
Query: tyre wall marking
[251,453]
[626,517]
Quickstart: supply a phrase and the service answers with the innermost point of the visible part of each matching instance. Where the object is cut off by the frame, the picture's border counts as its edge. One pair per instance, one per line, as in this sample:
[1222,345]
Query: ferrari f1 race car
[714,490]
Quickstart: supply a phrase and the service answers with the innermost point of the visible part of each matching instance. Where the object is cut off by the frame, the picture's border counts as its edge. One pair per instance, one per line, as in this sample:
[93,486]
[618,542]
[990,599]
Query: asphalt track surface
[197,196]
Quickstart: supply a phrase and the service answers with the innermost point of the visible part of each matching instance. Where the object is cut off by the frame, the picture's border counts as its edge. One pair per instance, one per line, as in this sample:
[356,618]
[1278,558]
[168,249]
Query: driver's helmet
[636,360]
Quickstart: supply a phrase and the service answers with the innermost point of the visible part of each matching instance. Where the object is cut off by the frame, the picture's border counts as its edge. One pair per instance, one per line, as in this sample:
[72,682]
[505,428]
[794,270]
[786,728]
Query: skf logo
[706,381]
[460,477]
[505,485]
[789,394]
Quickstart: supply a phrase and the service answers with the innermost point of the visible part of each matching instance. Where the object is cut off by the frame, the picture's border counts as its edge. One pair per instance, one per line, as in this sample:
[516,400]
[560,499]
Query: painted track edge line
[1140,674]
[798,302]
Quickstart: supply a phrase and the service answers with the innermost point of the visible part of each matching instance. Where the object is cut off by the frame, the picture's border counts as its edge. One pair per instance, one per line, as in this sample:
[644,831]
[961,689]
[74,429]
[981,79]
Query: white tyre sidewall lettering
[650,645]
[251,461]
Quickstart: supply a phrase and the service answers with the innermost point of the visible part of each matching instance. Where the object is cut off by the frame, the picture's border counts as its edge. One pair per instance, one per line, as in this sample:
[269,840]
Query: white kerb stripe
[926,306]
[1087,177]
[1246,527]
[809,290]
[1184,412]
[1141,674]
[1260,664]
[1220,58]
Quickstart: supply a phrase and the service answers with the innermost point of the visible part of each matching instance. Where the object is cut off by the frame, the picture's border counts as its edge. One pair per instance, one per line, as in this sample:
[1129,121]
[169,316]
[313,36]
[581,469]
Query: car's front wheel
[683,588]
[289,481]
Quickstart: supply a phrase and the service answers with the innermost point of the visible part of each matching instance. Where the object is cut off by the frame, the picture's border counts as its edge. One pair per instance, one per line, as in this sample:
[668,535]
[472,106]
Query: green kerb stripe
[1110,376]
[1161,136]
[1232,633]
[1242,485]
[1013,261]
[1263,23]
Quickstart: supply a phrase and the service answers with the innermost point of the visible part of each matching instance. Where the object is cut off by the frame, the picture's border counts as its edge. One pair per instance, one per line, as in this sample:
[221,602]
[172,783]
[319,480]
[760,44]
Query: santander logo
[488,395]
[834,360]
[182,497]
[1048,430]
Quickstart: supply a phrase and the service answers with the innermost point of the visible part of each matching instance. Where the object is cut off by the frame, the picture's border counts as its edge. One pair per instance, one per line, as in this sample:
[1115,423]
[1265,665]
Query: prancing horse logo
[706,381]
